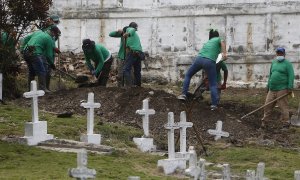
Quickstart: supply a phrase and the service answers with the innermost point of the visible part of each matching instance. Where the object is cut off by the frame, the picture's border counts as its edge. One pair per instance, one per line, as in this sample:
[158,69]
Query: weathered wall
[173,31]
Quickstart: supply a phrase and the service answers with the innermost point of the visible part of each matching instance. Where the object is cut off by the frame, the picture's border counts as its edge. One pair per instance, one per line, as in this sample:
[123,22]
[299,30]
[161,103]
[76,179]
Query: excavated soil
[119,105]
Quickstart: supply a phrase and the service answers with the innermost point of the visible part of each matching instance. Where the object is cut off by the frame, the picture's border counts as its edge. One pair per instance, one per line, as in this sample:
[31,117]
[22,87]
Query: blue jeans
[38,66]
[132,60]
[210,68]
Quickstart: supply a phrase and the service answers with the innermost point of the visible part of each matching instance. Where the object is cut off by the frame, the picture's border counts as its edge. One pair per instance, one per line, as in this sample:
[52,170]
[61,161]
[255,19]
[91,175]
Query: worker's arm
[88,62]
[116,34]
[129,32]
[100,59]
[223,49]
[49,53]
[291,76]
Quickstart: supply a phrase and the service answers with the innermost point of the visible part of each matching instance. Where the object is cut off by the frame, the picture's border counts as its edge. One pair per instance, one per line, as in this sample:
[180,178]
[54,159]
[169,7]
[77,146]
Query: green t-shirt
[281,75]
[43,44]
[98,56]
[221,65]
[211,49]
[133,40]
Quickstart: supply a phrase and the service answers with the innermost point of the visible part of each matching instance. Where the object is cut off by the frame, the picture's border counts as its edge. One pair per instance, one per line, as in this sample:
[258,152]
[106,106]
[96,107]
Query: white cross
[146,112]
[171,126]
[90,106]
[218,131]
[82,172]
[226,172]
[260,171]
[34,94]
[183,125]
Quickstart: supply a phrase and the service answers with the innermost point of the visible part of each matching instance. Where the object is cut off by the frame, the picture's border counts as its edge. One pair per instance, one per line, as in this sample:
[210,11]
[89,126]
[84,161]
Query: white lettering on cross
[34,94]
[146,112]
[171,126]
[90,105]
[218,131]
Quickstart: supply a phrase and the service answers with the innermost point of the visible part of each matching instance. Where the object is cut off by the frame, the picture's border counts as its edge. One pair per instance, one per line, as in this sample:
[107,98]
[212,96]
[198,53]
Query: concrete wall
[173,31]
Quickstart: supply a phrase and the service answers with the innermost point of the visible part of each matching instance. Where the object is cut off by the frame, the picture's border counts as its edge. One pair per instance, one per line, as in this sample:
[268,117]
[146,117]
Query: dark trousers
[132,60]
[103,76]
[37,66]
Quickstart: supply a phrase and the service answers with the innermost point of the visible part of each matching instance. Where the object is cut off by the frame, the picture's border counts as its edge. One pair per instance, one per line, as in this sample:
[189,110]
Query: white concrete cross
[90,105]
[226,172]
[193,170]
[250,175]
[297,175]
[218,131]
[82,172]
[145,112]
[260,171]
[201,165]
[1,80]
[171,126]
[183,126]
[34,94]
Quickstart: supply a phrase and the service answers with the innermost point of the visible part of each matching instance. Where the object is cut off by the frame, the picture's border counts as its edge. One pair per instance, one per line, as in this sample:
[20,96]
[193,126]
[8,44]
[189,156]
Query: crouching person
[101,58]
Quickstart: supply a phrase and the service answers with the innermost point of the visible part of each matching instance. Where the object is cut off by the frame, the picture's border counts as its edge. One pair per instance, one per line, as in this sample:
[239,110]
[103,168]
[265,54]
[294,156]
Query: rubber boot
[48,77]
[30,78]
[42,83]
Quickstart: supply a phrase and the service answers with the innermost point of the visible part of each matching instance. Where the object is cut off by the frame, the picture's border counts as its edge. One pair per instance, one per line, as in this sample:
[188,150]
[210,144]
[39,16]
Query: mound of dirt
[119,105]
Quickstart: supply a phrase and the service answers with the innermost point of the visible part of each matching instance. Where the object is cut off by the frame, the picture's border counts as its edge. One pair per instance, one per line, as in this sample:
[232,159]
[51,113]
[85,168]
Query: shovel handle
[282,96]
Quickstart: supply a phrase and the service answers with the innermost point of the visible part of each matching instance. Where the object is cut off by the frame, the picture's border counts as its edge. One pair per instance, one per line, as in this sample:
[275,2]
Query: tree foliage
[16,18]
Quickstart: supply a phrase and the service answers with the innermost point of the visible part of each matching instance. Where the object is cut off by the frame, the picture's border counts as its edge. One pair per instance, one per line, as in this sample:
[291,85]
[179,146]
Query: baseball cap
[280,49]
[55,18]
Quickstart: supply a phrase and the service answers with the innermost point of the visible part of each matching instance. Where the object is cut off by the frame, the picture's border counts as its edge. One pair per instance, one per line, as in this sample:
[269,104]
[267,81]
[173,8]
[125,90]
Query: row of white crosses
[170,165]
[36,131]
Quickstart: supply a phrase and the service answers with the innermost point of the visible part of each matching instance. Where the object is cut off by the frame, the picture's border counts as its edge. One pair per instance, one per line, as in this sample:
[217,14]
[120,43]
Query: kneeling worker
[101,57]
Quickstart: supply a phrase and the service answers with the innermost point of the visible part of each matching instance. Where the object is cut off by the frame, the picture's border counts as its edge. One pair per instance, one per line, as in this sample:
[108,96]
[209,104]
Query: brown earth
[119,105]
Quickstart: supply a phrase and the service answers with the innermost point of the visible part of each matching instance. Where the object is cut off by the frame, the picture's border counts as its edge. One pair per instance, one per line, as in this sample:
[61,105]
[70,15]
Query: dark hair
[213,33]
[133,25]
[87,44]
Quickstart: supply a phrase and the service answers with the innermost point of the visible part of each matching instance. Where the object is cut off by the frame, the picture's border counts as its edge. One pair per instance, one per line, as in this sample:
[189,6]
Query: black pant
[104,74]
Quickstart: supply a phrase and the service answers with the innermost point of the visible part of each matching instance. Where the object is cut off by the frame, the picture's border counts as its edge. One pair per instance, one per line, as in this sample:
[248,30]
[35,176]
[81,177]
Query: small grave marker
[297,175]
[82,172]
[145,112]
[90,137]
[218,131]
[193,171]
[226,172]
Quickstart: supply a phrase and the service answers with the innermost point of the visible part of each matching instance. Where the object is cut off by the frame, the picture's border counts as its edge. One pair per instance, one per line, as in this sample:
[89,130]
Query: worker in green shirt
[39,53]
[134,56]
[280,83]
[207,60]
[101,58]
[121,54]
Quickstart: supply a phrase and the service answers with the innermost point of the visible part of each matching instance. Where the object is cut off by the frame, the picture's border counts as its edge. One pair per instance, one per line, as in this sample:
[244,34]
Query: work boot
[42,84]
[48,77]
[182,97]
[30,78]
[213,107]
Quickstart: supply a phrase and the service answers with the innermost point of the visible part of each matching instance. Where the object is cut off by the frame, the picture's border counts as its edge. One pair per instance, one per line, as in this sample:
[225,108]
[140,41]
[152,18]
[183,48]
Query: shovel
[280,97]
[295,120]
